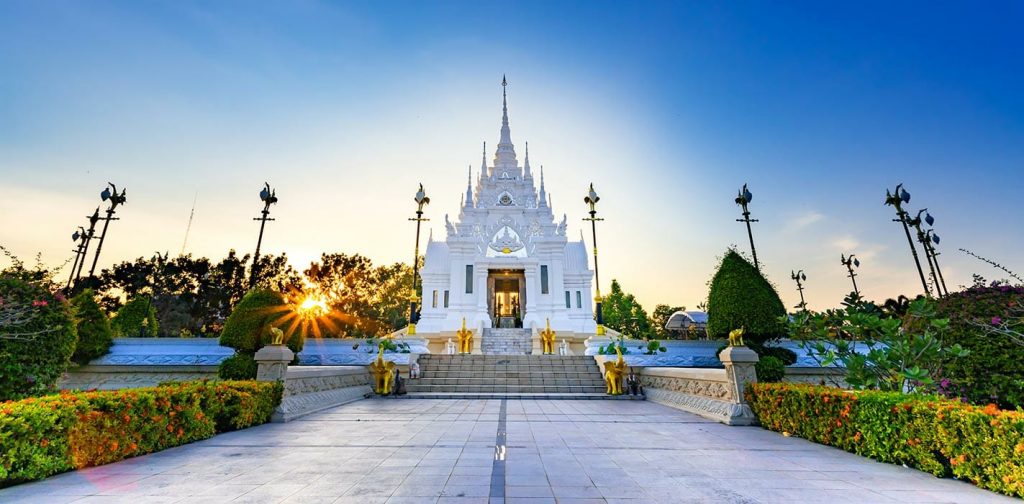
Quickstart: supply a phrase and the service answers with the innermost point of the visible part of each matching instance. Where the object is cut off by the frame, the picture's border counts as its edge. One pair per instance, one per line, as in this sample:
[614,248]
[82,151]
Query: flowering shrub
[37,337]
[47,435]
[984,445]
[987,320]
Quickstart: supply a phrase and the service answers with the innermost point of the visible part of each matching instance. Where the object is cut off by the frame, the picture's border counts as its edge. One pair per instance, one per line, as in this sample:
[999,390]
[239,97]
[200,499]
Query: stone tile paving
[443,451]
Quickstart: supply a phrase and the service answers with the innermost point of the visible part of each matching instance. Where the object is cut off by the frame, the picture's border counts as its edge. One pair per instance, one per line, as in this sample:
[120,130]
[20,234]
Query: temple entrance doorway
[506,298]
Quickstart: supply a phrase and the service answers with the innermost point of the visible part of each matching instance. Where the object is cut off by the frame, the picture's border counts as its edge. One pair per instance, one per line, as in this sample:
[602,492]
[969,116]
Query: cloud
[804,220]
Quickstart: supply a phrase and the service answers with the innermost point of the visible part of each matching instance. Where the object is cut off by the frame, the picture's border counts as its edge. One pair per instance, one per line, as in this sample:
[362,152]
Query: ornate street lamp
[591,199]
[800,277]
[421,199]
[850,263]
[933,239]
[897,199]
[79,236]
[115,200]
[743,198]
[87,238]
[925,241]
[268,196]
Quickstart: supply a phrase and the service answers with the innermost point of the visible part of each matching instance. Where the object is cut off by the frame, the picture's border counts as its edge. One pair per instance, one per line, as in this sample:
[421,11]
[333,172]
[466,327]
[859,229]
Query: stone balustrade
[308,389]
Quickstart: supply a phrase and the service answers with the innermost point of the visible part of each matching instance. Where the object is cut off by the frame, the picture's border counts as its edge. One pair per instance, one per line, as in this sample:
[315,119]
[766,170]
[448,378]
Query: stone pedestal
[739,369]
[273,362]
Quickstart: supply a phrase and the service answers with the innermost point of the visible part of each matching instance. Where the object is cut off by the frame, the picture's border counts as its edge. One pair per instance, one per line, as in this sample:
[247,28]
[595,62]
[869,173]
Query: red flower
[40,302]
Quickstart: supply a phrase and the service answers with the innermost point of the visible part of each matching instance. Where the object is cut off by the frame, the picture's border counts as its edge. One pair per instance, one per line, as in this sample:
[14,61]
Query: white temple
[505,261]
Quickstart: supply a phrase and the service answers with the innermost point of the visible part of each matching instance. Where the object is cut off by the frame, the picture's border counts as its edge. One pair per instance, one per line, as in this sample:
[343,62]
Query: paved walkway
[444,451]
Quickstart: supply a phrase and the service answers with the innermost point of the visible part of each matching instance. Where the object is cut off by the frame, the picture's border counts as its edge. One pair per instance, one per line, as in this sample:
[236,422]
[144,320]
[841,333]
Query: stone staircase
[506,342]
[508,377]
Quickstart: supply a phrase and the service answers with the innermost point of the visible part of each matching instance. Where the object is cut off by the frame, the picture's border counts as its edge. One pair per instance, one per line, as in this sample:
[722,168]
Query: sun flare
[313,306]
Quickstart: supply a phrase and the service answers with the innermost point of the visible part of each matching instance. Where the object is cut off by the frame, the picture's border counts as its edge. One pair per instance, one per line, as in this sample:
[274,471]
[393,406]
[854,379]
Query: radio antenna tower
[189,227]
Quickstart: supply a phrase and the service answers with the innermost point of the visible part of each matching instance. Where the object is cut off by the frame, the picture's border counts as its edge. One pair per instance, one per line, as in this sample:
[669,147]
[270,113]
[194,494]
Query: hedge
[43,436]
[984,445]
[94,333]
[740,296]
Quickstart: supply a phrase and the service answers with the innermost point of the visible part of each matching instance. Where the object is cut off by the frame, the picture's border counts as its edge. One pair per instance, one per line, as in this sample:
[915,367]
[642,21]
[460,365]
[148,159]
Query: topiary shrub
[94,333]
[787,356]
[128,321]
[770,369]
[37,338]
[993,371]
[740,296]
[241,366]
[247,328]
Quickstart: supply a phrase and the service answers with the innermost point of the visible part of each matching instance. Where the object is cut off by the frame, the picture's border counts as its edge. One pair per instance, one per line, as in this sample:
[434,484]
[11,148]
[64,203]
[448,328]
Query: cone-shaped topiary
[94,333]
[247,328]
[741,297]
[130,319]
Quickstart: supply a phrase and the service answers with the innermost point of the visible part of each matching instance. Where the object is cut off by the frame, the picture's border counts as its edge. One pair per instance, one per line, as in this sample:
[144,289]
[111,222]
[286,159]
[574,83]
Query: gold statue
[465,338]
[613,372]
[383,372]
[547,339]
[736,337]
[276,336]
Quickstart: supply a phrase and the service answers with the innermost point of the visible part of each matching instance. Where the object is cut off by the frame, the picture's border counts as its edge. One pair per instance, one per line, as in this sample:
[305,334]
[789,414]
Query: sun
[313,306]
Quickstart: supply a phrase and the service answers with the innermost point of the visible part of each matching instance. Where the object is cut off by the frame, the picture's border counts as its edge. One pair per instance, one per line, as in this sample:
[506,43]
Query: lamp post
[81,237]
[591,199]
[933,239]
[115,200]
[743,198]
[268,196]
[897,199]
[421,199]
[850,263]
[93,219]
[922,238]
[800,277]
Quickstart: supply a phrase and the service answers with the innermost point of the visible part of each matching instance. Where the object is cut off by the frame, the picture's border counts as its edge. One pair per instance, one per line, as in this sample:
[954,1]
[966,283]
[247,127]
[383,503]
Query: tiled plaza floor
[444,451]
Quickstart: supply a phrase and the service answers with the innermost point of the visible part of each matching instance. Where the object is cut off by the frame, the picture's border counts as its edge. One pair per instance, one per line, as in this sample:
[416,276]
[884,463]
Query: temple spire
[526,162]
[543,197]
[469,187]
[483,162]
[506,153]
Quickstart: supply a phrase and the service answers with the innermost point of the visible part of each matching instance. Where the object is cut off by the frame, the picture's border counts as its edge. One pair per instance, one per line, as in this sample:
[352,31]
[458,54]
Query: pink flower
[996,321]
[40,302]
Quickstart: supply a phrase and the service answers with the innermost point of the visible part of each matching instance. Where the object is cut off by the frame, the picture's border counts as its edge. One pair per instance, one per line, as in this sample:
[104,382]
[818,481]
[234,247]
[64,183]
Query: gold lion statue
[383,372]
[736,337]
[613,373]
[276,336]
[465,338]
[547,339]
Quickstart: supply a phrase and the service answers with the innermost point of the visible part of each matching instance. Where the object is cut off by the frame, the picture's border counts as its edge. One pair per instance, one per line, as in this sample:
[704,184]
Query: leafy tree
[365,300]
[133,316]
[740,296]
[37,336]
[624,313]
[94,332]
[659,317]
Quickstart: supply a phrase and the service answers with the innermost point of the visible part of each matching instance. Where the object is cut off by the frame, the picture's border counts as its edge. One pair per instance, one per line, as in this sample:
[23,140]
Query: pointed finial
[468,200]
[543,196]
[526,162]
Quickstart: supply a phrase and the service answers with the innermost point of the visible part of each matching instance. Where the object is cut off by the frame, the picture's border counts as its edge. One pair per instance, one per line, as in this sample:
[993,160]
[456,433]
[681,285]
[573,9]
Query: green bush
[128,321]
[740,296]
[36,351]
[994,369]
[785,355]
[44,436]
[939,436]
[770,369]
[241,366]
[94,333]
[247,328]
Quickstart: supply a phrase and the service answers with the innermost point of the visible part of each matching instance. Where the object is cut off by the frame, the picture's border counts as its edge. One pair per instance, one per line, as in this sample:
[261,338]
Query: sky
[668,108]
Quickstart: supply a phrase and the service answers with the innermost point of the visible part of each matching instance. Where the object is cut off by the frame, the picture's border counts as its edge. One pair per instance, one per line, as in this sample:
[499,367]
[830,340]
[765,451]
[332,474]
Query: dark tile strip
[497,492]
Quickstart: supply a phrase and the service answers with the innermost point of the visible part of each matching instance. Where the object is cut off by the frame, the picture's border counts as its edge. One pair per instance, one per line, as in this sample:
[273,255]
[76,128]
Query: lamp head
[591,198]
[421,198]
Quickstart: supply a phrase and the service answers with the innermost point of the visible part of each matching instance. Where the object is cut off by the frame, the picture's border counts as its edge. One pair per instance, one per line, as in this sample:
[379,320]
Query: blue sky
[667,107]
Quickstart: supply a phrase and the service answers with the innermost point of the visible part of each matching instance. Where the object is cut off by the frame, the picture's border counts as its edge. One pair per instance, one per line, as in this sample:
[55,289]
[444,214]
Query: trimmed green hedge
[984,445]
[740,296]
[94,333]
[43,436]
